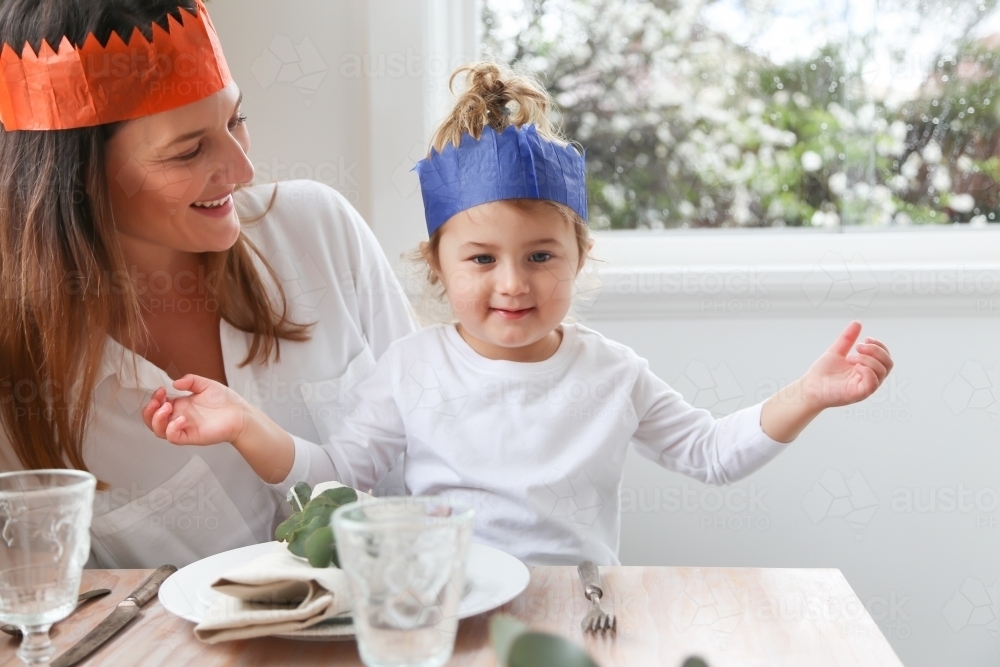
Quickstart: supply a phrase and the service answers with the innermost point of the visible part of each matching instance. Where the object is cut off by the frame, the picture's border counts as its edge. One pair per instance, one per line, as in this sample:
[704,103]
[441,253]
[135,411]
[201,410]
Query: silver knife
[126,610]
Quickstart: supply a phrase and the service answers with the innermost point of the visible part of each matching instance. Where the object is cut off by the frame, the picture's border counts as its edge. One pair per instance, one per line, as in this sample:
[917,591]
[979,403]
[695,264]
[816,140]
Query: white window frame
[950,269]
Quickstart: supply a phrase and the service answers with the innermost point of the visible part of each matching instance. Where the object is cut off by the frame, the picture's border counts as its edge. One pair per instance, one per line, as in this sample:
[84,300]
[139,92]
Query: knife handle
[147,590]
[591,578]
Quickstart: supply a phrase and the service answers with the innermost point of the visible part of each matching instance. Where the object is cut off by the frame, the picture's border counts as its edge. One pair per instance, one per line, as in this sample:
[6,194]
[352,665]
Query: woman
[132,254]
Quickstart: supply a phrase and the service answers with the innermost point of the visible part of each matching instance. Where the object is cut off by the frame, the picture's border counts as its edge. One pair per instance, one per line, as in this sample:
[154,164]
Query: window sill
[921,271]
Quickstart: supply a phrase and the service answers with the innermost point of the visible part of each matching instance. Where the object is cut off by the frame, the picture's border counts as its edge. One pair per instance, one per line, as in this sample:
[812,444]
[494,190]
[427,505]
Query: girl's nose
[510,280]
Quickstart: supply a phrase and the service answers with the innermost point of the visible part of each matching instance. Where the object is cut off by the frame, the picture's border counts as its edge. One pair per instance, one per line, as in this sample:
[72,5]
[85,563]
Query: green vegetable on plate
[307,531]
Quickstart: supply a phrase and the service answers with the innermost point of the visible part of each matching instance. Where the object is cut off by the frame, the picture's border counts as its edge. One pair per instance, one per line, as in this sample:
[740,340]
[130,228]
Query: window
[770,113]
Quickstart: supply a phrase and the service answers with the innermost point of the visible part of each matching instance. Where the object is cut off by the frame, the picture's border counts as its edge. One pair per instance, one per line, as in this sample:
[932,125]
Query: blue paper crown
[514,164]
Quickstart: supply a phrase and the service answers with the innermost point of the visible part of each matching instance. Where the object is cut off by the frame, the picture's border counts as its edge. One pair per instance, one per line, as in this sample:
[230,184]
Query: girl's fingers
[148,411]
[868,361]
[869,381]
[154,404]
[878,352]
[846,340]
[161,419]
[175,431]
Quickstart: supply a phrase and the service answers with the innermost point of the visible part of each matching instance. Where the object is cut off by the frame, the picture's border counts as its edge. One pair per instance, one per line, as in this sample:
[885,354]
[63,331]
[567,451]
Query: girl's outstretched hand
[841,377]
[211,414]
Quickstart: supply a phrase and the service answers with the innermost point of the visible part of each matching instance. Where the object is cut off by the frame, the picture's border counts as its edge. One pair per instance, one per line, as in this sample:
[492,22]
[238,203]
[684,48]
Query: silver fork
[596,620]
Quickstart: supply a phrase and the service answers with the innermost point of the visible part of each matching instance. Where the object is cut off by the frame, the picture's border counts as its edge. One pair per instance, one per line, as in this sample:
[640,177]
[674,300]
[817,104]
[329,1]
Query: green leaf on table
[298,496]
[694,661]
[516,646]
[307,531]
[319,547]
[297,544]
[288,526]
[504,630]
[340,496]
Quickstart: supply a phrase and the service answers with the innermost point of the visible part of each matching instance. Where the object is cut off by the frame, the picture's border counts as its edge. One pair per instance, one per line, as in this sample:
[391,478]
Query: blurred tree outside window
[754,113]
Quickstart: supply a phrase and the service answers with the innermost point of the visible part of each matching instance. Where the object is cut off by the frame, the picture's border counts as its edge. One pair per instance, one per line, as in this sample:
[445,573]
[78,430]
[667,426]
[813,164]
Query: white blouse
[171,504]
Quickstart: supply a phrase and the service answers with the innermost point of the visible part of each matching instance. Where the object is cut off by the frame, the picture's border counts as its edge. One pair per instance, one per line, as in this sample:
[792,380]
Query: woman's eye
[240,119]
[483,259]
[190,156]
[540,256]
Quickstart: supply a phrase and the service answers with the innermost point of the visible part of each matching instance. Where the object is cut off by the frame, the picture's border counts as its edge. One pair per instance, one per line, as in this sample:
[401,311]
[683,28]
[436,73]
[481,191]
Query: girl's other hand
[211,414]
[839,377]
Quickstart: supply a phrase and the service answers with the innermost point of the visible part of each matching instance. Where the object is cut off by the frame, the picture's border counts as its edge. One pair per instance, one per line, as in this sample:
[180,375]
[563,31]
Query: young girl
[524,416]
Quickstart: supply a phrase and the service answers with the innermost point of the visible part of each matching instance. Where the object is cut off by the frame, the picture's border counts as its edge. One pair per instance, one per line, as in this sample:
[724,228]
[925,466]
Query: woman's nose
[234,167]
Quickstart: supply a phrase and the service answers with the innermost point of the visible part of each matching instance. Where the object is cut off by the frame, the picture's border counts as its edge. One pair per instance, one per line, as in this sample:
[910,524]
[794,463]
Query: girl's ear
[584,254]
[427,252]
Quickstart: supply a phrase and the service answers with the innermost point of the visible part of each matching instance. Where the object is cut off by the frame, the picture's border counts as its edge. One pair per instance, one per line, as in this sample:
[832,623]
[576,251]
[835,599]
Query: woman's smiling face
[509,273]
[171,176]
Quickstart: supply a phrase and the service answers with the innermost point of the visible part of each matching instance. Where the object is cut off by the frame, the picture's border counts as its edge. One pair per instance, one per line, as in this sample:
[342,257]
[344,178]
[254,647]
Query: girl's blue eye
[540,256]
[482,259]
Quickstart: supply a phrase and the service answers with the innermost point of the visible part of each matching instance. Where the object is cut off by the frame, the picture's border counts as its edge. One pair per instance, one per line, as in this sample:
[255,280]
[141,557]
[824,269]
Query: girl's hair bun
[497,96]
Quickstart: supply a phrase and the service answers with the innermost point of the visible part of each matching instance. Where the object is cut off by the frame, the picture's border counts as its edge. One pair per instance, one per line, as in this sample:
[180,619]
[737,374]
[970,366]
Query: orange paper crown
[82,87]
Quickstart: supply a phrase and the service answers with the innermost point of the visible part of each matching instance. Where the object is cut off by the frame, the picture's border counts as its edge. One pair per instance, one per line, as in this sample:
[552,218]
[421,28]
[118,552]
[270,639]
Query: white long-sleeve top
[170,504]
[538,449]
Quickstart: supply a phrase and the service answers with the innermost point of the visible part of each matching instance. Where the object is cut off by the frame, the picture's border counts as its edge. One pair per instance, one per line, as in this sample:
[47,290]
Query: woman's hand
[838,377]
[841,378]
[213,413]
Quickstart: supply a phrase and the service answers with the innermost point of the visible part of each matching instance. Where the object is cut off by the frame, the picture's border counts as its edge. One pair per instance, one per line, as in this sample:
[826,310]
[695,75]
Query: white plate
[496,578]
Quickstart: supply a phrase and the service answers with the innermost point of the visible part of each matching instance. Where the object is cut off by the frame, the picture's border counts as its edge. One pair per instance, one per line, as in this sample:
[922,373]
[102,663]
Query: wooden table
[730,616]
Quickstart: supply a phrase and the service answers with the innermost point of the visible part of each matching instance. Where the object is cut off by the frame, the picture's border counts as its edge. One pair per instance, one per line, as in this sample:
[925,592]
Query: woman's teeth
[212,204]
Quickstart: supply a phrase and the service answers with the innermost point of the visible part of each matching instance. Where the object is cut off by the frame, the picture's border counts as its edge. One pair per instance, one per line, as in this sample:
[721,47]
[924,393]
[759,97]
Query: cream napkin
[274,594]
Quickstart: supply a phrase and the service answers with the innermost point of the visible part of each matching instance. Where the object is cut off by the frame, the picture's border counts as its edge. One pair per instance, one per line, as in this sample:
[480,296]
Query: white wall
[927,575]
[347,92]
[855,490]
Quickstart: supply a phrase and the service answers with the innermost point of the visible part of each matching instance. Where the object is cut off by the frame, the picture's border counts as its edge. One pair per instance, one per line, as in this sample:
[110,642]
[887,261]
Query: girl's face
[509,275]
[171,176]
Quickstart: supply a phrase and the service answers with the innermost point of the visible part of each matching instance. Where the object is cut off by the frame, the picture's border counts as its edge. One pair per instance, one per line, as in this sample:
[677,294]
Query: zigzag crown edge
[92,44]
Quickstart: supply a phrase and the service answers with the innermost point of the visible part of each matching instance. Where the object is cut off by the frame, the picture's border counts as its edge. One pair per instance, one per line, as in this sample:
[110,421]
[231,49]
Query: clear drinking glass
[44,542]
[405,559]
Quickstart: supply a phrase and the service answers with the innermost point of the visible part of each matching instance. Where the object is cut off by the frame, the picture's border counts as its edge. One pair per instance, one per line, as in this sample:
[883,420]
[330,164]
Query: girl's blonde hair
[497,96]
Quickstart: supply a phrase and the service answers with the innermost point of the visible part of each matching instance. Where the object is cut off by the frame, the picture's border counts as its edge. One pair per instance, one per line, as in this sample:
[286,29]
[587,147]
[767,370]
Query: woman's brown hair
[63,279]
[497,96]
